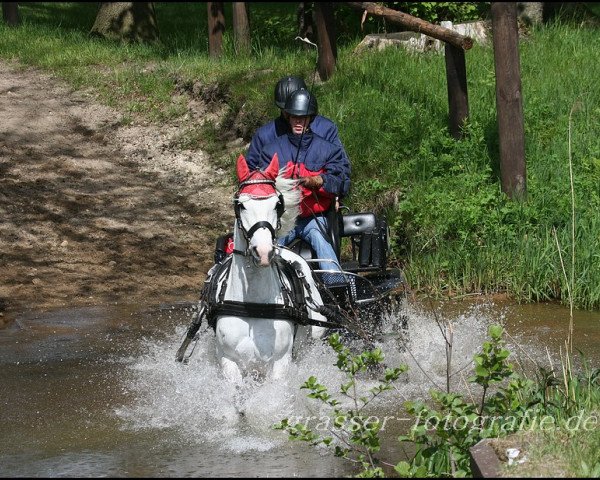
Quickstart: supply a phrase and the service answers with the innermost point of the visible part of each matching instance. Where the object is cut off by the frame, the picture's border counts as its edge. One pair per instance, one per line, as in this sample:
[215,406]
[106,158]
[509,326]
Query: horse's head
[258,208]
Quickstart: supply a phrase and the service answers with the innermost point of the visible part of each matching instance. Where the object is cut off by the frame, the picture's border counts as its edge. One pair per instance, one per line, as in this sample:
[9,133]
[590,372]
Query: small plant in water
[444,435]
[356,434]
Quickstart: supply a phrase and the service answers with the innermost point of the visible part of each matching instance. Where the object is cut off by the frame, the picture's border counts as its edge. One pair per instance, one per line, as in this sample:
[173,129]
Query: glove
[312,183]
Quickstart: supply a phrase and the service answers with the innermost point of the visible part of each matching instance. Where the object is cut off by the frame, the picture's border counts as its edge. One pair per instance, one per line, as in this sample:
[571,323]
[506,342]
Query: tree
[10,13]
[126,21]
[216,27]
[324,21]
[304,18]
[241,29]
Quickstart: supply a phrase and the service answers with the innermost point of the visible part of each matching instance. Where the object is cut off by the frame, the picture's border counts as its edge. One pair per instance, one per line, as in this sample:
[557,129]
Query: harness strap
[269,310]
[294,308]
[293,272]
[210,291]
[261,224]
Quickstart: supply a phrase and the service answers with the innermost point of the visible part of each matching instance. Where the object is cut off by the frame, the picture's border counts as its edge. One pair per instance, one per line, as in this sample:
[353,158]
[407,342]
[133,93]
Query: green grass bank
[454,231]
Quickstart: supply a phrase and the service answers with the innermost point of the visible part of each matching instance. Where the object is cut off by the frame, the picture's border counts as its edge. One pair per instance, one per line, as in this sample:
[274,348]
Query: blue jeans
[308,230]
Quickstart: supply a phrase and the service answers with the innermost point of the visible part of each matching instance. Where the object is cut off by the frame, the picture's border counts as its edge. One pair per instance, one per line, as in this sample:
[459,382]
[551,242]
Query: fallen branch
[415,24]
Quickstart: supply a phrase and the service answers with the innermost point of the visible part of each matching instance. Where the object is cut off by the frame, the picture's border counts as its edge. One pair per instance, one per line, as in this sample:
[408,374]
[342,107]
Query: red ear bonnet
[242,168]
[257,189]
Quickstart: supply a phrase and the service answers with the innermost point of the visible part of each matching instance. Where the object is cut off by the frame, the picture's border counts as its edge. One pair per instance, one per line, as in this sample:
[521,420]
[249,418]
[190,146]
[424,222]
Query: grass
[567,442]
[454,232]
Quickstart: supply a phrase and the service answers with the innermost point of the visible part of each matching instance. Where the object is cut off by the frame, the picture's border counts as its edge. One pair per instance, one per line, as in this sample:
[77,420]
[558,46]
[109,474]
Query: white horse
[254,332]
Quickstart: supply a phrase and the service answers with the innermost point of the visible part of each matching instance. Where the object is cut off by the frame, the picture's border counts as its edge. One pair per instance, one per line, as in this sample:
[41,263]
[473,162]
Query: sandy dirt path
[92,211]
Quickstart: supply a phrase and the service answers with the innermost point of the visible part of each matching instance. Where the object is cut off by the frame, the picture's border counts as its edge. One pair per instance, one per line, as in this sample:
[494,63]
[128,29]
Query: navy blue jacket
[321,126]
[307,155]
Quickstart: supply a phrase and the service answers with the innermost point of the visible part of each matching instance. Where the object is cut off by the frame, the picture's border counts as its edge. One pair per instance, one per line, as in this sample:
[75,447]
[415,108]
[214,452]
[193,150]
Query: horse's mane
[291,196]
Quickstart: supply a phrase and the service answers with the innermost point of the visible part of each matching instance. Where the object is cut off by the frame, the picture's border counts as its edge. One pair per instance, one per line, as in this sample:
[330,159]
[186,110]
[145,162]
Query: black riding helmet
[285,87]
[301,103]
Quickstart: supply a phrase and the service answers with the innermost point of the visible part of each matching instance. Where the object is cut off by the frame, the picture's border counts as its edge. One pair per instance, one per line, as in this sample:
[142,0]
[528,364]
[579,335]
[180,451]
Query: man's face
[299,124]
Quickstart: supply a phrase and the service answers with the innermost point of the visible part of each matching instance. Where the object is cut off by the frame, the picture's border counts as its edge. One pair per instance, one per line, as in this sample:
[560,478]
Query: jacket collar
[302,140]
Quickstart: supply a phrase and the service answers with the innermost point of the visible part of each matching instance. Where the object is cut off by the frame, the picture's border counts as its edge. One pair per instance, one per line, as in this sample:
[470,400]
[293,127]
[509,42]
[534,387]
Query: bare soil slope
[92,211]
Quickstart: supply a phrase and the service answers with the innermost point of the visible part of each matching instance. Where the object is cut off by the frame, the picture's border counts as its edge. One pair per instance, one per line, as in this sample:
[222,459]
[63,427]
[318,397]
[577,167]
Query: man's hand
[312,183]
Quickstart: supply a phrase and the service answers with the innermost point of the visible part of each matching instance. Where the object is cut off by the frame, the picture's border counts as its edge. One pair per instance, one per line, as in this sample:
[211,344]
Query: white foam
[194,400]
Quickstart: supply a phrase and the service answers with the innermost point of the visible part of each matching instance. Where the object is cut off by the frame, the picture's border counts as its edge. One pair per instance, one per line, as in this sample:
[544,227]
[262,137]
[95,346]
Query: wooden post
[508,99]
[216,27]
[241,29]
[458,100]
[325,26]
[10,13]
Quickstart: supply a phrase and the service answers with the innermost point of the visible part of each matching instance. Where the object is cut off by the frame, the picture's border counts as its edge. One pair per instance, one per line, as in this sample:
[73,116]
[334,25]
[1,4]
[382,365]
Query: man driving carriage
[323,171]
[320,125]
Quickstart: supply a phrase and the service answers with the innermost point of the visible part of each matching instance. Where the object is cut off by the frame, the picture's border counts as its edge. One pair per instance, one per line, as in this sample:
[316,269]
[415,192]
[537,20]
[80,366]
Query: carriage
[257,295]
[369,288]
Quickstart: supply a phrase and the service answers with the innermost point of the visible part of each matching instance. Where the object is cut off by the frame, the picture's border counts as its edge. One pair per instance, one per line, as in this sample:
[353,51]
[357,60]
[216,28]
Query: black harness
[294,307]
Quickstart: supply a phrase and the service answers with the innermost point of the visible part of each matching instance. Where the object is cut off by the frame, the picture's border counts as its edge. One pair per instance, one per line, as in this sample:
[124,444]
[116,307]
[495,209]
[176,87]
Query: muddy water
[96,391]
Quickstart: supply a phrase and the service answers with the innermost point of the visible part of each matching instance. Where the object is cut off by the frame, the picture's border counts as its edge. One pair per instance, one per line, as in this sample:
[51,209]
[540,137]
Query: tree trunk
[415,24]
[126,21]
[324,22]
[10,13]
[305,22]
[508,98]
[216,27]
[241,28]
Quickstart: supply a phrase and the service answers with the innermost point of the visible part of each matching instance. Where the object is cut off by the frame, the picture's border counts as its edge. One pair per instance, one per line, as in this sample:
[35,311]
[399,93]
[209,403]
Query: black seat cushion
[357,223]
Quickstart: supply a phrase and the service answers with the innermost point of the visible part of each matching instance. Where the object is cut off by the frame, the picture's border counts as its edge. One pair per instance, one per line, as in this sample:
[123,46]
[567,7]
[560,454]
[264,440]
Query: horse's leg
[281,366]
[231,371]
[317,332]
[283,350]
[230,334]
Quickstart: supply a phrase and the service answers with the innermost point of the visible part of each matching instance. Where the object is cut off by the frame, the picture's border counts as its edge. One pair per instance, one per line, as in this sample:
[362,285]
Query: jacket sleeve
[327,130]
[336,180]
[253,156]
[266,155]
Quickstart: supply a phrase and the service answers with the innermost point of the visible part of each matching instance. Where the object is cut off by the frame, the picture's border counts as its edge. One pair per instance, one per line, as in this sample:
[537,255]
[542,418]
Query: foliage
[435,12]
[444,435]
[518,405]
[446,428]
[566,431]
[355,434]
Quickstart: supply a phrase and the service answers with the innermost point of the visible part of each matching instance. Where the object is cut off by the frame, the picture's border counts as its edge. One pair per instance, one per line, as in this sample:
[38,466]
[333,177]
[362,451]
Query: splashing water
[194,400]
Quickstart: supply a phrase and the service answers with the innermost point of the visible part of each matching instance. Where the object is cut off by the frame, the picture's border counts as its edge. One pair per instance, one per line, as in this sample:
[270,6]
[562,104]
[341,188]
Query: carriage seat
[357,223]
[368,240]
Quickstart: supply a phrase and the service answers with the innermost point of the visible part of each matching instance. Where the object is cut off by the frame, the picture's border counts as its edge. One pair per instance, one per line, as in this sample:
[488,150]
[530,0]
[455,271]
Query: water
[96,391]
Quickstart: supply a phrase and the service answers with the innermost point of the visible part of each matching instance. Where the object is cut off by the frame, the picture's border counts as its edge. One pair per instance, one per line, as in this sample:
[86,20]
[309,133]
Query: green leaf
[403,469]
[495,331]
